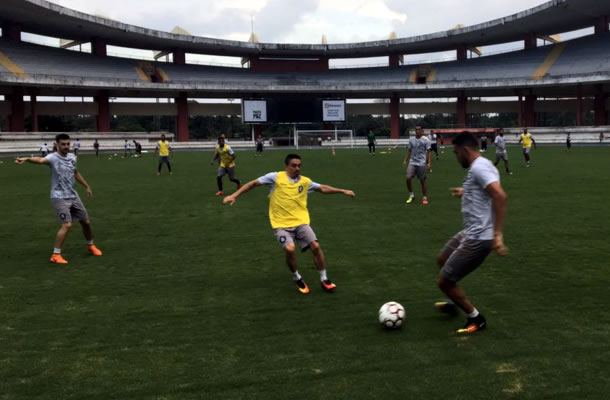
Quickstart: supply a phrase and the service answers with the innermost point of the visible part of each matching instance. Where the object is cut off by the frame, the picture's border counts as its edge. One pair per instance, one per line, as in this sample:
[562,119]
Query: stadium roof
[49,19]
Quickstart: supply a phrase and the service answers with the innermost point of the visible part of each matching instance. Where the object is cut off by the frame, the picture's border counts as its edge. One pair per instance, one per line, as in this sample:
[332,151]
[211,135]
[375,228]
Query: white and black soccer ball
[391,315]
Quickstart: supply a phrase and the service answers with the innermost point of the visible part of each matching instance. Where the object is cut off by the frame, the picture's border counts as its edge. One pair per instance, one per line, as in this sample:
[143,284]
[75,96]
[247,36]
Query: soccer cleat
[473,325]
[409,200]
[58,259]
[446,307]
[425,201]
[94,250]
[302,286]
[327,285]
[219,193]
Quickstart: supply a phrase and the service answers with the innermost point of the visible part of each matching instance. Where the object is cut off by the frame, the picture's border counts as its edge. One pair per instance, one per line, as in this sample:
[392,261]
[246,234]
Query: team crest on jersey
[301,189]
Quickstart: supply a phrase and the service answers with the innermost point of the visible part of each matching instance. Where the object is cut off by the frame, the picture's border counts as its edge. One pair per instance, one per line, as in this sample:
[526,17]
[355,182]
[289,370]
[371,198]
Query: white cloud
[303,21]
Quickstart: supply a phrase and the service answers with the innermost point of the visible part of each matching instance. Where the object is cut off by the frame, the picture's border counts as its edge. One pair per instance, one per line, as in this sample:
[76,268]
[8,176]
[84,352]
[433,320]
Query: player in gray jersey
[66,202]
[501,153]
[260,144]
[418,154]
[484,206]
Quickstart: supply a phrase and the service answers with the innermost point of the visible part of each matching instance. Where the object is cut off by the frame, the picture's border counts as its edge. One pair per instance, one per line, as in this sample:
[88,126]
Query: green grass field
[192,300]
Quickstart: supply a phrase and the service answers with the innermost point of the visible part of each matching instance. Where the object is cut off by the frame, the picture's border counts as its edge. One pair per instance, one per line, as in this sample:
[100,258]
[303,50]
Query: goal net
[318,138]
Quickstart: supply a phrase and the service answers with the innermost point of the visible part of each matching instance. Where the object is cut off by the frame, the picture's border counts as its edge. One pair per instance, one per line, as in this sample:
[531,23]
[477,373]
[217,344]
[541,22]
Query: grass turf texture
[193,300]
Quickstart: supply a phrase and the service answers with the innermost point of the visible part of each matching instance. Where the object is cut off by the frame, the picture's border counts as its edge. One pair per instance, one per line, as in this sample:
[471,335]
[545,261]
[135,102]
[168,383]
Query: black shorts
[463,256]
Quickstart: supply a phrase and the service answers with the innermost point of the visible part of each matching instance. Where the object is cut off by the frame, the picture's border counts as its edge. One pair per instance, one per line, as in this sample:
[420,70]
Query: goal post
[325,137]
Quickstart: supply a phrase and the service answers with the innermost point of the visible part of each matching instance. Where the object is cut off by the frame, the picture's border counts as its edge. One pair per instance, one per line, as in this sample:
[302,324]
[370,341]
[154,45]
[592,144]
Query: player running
[164,149]
[65,199]
[527,140]
[227,164]
[76,146]
[419,161]
[501,153]
[484,205]
[289,216]
[260,144]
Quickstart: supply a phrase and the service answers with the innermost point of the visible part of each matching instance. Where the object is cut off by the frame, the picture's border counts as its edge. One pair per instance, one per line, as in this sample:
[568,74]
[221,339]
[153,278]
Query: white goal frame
[329,132]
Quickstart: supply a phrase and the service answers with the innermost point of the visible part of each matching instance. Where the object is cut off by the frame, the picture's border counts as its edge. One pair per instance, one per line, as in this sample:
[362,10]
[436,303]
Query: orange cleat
[219,193]
[302,286]
[327,285]
[58,259]
[94,250]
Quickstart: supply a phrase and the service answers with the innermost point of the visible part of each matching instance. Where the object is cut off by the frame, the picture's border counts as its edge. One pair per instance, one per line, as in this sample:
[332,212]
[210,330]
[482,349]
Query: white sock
[56,250]
[474,313]
[296,276]
[323,276]
[412,194]
[90,242]
[425,197]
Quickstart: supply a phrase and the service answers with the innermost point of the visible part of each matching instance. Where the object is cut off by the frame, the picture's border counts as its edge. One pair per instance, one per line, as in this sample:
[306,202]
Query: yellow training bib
[288,202]
[226,159]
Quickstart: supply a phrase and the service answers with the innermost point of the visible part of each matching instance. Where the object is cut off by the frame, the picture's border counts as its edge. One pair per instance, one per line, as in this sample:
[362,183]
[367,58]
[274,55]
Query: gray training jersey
[419,148]
[500,144]
[62,175]
[476,203]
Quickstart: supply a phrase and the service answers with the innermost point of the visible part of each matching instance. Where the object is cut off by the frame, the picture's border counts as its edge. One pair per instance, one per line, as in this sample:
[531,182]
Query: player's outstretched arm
[230,200]
[499,201]
[83,182]
[33,160]
[215,157]
[332,190]
[407,157]
[457,191]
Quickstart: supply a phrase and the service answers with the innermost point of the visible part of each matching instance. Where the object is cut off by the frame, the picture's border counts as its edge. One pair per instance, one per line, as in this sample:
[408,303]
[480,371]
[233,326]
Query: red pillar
[579,105]
[34,113]
[98,47]
[182,119]
[103,112]
[16,119]
[258,130]
[462,116]
[11,31]
[179,57]
[462,52]
[530,41]
[601,24]
[530,110]
[394,61]
[601,116]
[394,117]
[520,112]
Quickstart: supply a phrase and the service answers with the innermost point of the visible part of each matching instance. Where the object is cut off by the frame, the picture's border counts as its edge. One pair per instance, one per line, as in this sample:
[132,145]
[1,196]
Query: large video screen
[293,110]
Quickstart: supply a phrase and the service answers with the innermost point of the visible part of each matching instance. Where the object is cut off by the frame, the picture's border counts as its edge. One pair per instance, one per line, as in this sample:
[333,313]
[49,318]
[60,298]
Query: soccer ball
[391,315]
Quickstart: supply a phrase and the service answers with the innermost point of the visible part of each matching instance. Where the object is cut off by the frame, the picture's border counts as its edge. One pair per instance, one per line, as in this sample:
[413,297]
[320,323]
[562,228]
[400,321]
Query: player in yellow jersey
[164,149]
[527,140]
[289,215]
[227,164]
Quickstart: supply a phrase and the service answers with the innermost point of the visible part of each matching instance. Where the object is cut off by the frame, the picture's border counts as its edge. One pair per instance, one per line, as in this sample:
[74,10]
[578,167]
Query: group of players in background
[484,205]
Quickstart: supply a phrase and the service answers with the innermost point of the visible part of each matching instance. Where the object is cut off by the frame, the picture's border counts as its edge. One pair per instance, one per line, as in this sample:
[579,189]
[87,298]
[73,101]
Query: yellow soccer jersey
[288,202]
[526,140]
[226,156]
[163,147]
